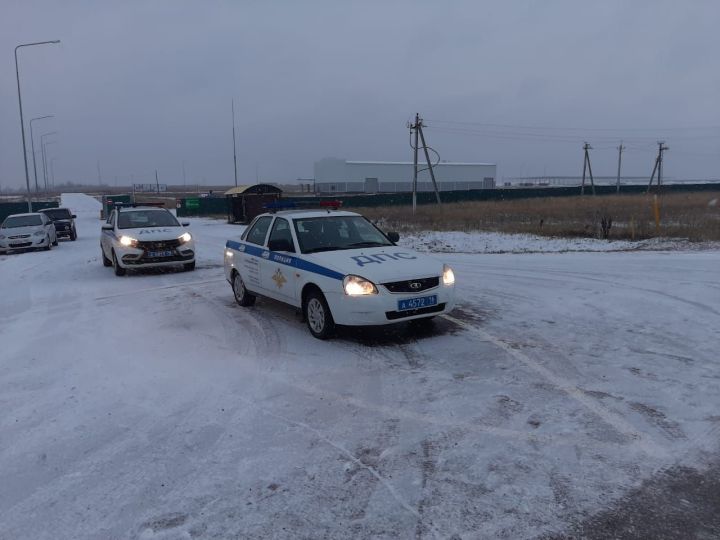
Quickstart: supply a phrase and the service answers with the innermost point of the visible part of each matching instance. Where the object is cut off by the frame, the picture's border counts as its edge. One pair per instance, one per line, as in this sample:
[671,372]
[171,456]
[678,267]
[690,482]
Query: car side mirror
[185,224]
[281,244]
[107,226]
[393,237]
[74,216]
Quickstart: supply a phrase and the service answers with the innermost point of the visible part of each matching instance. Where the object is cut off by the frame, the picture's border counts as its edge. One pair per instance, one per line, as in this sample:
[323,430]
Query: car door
[49,228]
[278,269]
[106,235]
[253,252]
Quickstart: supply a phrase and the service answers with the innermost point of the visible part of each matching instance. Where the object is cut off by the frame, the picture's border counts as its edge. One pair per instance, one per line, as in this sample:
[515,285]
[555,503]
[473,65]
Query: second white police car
[338,268]
[145,237]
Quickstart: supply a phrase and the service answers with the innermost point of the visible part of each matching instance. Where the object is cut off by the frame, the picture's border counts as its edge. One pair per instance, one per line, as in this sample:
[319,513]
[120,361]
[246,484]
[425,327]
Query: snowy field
[570,395]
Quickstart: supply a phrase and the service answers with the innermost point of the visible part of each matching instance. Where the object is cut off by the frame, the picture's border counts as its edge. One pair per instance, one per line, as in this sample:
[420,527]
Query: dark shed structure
[246,202]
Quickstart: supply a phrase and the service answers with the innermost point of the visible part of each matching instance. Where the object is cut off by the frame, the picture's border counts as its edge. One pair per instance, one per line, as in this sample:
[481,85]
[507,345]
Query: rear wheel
[119,270]
[242,296]
[317,315]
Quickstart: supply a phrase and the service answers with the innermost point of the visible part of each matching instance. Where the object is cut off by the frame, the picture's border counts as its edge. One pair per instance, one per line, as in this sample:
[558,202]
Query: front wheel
[318,317]
[49,244]
[242,296]
[106,262]
[73,235]
[119,270]
[189,267]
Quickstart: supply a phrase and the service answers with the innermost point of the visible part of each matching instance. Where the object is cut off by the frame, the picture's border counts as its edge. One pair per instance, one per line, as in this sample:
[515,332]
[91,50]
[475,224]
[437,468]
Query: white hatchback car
[339,268]
[27,231]
[145,237]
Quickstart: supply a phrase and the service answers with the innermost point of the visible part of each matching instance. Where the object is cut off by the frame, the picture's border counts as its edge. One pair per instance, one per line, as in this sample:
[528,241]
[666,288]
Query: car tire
[73,235]
[317,315]
[49,244]
[55,243]
[119,270]
[242,295]
[106,262]
[189,267]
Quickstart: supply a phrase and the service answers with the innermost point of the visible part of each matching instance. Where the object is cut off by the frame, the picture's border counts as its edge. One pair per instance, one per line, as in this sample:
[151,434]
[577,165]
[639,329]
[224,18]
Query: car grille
[20,244]
[159,245]
[394,315]
[412,285]
[19,236]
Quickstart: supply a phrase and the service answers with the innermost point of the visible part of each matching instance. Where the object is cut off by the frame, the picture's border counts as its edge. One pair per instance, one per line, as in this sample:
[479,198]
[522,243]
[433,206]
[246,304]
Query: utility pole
[157,182]
[620,151]
[416,128]
[234,145]
[588,168]
[658,166]
[183,169]
[32,141]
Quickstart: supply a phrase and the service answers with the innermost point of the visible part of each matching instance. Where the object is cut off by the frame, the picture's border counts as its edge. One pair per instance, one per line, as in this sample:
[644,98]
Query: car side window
[281,231]
[110,217]
[258,232]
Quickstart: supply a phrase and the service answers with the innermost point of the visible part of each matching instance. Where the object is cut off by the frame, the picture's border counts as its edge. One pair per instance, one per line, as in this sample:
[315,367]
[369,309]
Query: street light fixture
[32,144]
[22,121]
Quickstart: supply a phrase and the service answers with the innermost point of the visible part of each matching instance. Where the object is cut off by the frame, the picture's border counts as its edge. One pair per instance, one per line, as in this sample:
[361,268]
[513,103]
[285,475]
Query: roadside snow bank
[493,242]
[80,203]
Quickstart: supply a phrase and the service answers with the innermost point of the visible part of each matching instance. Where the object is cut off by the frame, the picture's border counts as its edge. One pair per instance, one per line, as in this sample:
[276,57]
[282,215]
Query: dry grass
[682,215]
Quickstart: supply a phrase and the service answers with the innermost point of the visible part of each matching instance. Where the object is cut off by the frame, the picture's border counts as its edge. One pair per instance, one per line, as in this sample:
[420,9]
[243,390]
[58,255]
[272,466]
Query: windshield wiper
[324,248]
[365,244]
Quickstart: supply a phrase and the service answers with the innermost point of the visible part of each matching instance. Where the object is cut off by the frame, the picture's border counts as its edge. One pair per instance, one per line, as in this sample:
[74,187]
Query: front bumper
[382,308]
[129,257]
[31,242]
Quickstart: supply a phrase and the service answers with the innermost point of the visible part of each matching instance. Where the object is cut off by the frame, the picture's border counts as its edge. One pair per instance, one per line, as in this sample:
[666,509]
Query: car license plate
[155,254]
[417,303]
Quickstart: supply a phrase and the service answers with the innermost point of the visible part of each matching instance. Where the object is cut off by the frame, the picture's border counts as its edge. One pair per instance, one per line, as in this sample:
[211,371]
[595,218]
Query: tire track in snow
[641,440]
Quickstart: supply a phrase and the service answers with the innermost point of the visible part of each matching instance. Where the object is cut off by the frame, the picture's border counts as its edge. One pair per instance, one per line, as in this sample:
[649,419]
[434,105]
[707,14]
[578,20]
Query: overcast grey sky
[145,85]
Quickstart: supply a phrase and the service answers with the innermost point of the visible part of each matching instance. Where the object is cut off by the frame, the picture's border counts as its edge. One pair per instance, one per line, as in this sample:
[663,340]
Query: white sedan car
[27,231]
[338,268]
[145,237]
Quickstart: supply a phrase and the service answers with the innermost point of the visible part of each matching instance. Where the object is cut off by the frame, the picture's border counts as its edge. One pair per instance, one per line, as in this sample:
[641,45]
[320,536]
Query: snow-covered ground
[152,406]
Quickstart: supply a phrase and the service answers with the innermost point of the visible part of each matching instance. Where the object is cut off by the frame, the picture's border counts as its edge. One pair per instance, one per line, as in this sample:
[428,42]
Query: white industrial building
[341,176]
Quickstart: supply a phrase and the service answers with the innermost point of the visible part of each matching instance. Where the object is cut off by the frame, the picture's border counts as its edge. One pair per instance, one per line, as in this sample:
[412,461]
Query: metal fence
[9,208]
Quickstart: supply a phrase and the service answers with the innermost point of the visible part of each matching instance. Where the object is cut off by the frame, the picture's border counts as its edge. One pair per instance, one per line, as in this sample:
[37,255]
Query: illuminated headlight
[185,237]
[39,233]
[358,286]
[448,275]
[228,253]
[128,241]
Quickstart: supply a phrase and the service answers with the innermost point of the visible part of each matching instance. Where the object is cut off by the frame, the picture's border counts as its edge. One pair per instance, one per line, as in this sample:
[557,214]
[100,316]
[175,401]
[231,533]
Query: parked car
[64,221]
[145,237]
[338,268]
[27,231]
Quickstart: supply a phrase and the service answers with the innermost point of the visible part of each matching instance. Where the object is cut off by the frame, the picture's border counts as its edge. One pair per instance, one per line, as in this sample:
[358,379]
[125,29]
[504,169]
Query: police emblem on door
[279,279]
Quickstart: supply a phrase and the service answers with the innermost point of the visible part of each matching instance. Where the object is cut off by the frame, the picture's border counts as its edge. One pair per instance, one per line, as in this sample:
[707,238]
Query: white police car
[145,237]
[338,268]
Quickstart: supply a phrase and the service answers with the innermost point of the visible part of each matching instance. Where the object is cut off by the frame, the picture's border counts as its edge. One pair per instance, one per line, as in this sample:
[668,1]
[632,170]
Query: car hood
[17,231]
[153,234]
[379,264]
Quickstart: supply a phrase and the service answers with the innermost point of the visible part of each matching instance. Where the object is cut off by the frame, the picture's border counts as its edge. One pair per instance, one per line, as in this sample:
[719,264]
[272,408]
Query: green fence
[202,206]
[216,206]
[9,208]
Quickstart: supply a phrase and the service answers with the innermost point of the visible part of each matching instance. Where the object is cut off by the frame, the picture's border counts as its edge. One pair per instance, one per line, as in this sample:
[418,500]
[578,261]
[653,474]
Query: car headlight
[128,241]
[358,286]
[185,237]
[39,233]
[448,275]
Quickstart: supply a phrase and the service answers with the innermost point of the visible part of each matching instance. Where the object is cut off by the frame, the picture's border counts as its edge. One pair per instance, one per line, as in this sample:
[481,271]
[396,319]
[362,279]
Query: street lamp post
[44,155]
[22,121]
[32,147]
[52,171]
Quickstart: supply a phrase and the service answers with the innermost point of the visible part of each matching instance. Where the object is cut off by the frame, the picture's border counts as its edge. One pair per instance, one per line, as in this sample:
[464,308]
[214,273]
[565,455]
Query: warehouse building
[341,176]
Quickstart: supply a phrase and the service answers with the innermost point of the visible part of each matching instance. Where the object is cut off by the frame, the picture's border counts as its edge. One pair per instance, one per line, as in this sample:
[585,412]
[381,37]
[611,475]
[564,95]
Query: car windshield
[337,232]
[14,222]
[136,219]
[58,213]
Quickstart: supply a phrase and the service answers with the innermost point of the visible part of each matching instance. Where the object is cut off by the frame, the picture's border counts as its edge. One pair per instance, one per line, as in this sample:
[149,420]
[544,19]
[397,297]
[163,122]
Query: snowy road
[565,396]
